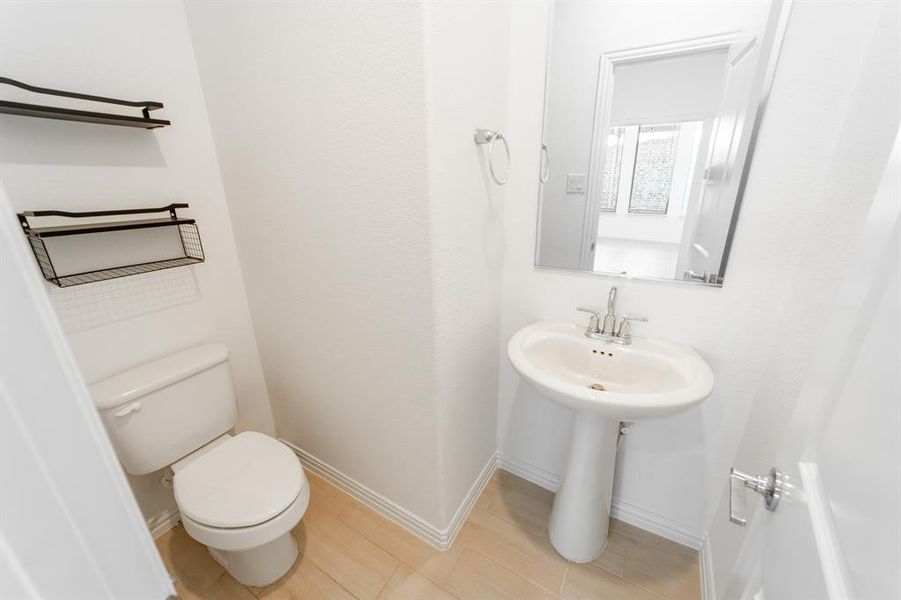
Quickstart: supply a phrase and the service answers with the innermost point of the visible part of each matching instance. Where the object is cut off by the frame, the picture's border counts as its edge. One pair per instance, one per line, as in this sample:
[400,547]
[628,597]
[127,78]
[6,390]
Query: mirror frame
[773,37]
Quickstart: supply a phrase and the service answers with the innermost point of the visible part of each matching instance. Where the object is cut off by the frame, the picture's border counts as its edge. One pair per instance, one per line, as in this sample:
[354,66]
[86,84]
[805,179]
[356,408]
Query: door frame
[603,104]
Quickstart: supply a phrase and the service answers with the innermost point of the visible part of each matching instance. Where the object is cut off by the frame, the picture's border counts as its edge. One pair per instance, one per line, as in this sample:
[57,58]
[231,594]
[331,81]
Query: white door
[707,223]
[836,532]
[69,526]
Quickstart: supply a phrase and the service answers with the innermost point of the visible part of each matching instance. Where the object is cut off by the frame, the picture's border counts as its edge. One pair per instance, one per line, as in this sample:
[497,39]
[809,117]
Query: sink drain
[597,387]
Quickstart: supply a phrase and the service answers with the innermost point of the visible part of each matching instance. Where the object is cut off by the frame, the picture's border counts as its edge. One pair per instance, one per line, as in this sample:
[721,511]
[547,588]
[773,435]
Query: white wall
[780,275]
[132,51]
[466,48]
[318,111]
[369,237]
[582,32]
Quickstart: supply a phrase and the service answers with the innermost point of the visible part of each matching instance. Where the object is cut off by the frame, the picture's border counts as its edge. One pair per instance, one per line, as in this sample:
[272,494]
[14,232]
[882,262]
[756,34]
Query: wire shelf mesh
[191,244]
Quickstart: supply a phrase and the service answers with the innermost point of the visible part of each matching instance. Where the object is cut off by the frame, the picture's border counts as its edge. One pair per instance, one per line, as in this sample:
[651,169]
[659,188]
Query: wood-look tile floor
[350,552]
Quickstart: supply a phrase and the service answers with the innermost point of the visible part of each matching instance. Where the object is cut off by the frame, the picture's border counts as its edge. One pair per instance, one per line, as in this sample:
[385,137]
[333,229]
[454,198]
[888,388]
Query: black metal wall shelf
[84,116]
[188,232]
[60,230]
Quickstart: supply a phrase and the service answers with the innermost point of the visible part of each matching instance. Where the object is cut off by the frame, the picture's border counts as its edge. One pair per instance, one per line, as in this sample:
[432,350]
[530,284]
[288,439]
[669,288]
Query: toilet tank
[163,410]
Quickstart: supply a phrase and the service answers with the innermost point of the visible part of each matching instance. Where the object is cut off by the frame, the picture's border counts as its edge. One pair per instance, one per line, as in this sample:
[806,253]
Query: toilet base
[261,565]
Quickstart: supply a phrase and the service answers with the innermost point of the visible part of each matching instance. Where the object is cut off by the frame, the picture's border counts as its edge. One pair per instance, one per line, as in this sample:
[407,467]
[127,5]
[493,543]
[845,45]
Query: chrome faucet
[608,331]
[610,317]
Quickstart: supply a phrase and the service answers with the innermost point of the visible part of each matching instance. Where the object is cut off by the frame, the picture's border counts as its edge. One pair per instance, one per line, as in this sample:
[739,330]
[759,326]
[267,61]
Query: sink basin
[603,383]
[648,378]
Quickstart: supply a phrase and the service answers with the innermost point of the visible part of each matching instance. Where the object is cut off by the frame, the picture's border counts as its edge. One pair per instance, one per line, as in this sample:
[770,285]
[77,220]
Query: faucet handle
[625,326]
[640,318]
[593,326]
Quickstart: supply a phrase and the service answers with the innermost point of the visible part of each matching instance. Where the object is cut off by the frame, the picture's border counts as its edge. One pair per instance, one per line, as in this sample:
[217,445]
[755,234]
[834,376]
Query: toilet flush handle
[128,409]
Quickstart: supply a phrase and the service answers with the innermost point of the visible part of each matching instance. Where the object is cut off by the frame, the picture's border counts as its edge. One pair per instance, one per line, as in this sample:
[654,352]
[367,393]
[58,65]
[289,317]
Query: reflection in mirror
[650,118]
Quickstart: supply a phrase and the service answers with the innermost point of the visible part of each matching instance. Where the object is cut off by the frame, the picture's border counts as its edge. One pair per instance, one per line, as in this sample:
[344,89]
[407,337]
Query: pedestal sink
[604,383]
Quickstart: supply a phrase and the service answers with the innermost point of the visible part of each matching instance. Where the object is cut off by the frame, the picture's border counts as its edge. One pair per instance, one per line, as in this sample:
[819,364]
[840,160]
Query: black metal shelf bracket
[191,244]
[67,114]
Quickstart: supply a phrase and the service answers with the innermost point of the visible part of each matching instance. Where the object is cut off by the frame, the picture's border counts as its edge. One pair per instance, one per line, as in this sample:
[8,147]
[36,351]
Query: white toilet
[240,495]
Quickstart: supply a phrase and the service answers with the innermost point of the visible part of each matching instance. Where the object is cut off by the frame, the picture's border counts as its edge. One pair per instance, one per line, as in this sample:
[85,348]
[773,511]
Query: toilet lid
[249,479]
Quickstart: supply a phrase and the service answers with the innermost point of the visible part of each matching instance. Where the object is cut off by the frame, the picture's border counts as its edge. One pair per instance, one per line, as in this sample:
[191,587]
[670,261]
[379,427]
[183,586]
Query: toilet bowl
[241,496]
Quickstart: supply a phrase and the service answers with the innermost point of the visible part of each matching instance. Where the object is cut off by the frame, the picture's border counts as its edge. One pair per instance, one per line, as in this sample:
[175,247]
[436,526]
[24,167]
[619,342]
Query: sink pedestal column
[581,514]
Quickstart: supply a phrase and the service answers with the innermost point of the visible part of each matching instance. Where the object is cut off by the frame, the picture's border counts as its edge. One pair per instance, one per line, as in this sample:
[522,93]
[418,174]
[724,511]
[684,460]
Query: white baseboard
[472,496]
[440,538]
[708,589]
[164,521]
[620,509]
[656,523]
[529,472]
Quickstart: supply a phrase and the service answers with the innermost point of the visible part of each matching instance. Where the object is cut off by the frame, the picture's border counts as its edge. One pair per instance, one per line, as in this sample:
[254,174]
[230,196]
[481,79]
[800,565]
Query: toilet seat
[244,538]
[244,481]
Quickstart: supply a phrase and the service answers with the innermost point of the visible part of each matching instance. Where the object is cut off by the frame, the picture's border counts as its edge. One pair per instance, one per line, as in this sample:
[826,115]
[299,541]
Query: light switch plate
[575,183]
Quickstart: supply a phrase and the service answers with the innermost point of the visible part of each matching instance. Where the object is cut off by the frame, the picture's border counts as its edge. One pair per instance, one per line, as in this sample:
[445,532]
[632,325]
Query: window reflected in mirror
[649,170]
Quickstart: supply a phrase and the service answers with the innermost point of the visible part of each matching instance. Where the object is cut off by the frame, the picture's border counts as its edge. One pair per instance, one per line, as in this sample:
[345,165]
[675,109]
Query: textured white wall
[369,236]
[318,112]
[780,273]
[467,48]
[132,51]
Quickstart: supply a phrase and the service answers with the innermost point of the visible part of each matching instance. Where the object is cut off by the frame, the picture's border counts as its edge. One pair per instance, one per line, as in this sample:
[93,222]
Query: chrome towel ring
[487,136]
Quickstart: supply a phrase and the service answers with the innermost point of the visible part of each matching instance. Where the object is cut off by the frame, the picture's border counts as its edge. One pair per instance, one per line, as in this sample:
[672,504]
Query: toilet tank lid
[141,380]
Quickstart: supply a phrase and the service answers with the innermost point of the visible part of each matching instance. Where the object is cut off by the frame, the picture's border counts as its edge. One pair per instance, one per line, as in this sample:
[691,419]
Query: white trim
[444,538]
[163,521]
[620,509]
[825,534]
[540,477]
[472,496]
[705,560]
[656,523]
[440,538]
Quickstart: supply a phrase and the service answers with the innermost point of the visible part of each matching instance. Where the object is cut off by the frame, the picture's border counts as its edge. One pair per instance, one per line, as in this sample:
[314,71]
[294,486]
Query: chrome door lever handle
[770,487]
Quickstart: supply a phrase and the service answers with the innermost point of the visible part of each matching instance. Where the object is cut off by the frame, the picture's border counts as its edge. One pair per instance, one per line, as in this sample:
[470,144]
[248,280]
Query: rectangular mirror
[651,113]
